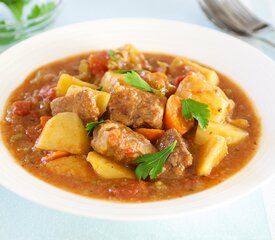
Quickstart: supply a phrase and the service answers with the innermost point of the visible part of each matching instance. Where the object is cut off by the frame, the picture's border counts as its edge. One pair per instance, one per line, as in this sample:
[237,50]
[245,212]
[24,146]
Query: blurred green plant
[17,7]
[11,31]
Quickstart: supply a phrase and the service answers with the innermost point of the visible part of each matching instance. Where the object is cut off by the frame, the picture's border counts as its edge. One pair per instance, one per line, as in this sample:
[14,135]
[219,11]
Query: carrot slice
[173,117]
[54,155]
[150,134]
[44,120]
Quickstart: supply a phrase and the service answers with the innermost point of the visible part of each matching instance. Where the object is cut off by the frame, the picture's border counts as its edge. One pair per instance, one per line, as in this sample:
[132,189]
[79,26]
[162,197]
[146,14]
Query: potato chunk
[106,168]
[64,132]
[197,88]
[102,98]
[71,166]
[240,122]
[180,64]
[232,134]
[211,154]
[66,80]
[111,80]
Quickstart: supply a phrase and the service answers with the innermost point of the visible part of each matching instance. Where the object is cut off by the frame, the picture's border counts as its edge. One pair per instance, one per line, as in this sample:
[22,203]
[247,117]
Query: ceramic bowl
[247,66]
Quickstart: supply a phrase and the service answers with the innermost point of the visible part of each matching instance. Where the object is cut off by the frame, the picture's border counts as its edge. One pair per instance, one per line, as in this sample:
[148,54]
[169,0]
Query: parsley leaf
[200,111]
[152,164]
[112,55]
[92,125]
[39,10]
[127,70]
[134,80]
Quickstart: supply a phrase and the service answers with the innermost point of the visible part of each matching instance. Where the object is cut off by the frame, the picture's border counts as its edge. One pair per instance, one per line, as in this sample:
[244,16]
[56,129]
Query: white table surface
[244,219]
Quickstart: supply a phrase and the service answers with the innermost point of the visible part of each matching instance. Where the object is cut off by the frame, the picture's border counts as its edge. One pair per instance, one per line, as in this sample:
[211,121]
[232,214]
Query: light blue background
[24,220]
[21,219]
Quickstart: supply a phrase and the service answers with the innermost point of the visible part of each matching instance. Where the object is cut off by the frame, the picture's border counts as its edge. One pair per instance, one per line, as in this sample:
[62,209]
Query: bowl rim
[127,216]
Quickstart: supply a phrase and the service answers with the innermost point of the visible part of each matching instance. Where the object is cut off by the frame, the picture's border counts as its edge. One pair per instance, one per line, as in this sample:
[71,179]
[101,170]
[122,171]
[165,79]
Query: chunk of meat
[119,142]
[158,81]
[178,160]
[128,57]
[137,108]
[83,103]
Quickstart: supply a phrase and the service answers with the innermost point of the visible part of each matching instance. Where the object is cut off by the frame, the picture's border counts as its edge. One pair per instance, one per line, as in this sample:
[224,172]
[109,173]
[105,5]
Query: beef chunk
[119,142]
[178,160]
[83,103]
[159,81]
[137,108]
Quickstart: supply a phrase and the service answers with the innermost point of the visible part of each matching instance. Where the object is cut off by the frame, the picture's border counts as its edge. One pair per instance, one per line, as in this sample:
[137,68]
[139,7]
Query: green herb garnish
[152,164]
[112,55]
[92,125]
[39,10]
[127,70]
[200,111]
[134,80]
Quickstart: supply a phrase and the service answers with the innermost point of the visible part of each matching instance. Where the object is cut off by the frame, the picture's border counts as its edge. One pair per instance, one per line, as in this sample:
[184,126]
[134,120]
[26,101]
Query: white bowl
[247,66]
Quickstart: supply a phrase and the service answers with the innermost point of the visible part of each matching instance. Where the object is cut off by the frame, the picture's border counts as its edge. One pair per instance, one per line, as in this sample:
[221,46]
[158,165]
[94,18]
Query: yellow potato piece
[83,67]
[197,88]
[209,74]
[64,132]
[66,80]
[106,168]
[240,122]
[71,166]
[211,153]
[232,134]
[102,101]
[102,98]
[111,80]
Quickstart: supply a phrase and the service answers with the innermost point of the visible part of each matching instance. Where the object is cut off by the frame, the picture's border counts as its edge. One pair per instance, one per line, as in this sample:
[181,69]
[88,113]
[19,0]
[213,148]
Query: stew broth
[20,134]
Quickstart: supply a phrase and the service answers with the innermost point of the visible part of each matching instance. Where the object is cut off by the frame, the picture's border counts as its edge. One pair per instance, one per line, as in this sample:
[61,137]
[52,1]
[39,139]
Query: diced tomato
[176,81]
[34,114]
[98,63]
[131,189]
[22,108]
[47,92]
